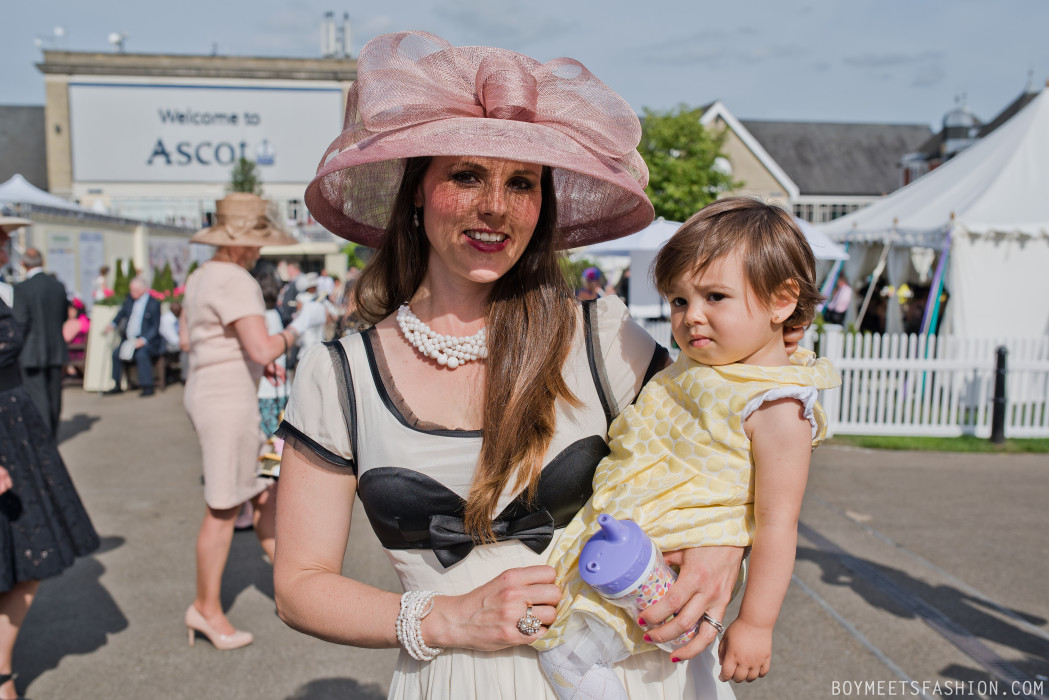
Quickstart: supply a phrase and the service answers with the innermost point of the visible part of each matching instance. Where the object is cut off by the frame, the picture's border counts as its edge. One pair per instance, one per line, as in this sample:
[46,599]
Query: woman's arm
[260,346]
[314,504]
[781,442]
[313,523]
[183,333]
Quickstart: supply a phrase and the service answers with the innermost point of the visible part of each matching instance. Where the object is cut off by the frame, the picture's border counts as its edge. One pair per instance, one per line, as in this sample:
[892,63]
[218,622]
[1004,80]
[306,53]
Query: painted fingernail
[647,638]
[674,659]
[641,621]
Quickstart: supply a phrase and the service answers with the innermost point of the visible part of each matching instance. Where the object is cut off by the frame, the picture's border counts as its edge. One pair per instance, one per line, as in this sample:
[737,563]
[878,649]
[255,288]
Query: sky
[889,61]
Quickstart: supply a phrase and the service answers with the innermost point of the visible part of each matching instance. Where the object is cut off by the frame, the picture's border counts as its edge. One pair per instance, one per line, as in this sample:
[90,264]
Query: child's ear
[785,301]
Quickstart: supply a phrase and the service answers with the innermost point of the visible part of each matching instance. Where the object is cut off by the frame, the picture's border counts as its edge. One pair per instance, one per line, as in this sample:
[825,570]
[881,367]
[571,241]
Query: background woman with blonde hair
[224,331]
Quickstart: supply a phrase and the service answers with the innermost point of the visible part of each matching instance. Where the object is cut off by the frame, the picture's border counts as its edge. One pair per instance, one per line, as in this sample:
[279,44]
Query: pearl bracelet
[415,605]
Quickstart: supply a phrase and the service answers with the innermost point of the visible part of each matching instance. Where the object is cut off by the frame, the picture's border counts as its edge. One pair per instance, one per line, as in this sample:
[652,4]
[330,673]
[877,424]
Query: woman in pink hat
[470,416]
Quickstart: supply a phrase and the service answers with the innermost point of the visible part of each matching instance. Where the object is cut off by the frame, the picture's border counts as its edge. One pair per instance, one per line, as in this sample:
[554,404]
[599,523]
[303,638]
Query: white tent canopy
[656,234]
[649,238]
[641,248]
[18,190]
[988,208]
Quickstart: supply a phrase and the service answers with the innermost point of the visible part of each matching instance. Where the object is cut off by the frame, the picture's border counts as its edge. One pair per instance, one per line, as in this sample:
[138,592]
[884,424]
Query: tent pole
[932,302]
[832,278]
[875,276]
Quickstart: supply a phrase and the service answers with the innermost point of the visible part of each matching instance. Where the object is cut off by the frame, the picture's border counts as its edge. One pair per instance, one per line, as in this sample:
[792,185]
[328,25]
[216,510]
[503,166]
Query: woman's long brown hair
[530,321]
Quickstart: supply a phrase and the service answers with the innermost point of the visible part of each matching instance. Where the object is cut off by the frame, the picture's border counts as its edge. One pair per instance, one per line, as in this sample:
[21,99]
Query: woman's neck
[450,308]
[227,255]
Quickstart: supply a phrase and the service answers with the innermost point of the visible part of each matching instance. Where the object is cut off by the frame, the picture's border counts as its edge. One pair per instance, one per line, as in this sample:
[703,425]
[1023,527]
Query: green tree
[680,153]
[169,277]
[352,258]
[572,269]
[245,177]
[120,282]
[163,280]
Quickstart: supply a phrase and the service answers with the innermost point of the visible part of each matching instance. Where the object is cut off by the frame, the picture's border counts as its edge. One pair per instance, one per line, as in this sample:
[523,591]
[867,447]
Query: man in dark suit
[139,317]
[41,308]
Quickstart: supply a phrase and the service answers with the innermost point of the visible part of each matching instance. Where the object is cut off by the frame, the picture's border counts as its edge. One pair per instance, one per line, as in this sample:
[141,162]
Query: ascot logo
[265,153]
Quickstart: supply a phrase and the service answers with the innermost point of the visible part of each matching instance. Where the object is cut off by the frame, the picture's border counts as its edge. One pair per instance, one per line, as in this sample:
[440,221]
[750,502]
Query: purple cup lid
[615,557]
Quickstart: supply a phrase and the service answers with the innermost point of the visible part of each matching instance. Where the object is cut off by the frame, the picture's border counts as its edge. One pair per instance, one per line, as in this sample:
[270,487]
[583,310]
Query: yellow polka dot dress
[680,467]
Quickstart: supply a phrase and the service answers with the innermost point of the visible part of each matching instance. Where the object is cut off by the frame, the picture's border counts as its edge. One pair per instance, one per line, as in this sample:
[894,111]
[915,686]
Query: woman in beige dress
[224,331]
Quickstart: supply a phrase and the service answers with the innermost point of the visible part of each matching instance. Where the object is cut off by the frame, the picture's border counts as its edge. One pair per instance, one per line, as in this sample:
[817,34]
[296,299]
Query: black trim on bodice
[369,336]
[410,510]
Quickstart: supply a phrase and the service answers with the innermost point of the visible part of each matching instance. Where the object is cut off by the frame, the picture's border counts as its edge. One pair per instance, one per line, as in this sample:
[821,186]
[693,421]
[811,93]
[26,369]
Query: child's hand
[745,652]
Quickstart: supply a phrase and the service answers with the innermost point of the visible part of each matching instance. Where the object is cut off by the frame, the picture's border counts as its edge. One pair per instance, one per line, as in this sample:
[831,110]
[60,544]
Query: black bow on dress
[451,543]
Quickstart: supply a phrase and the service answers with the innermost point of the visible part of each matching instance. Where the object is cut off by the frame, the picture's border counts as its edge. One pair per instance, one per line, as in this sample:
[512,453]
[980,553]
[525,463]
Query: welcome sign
[127,132]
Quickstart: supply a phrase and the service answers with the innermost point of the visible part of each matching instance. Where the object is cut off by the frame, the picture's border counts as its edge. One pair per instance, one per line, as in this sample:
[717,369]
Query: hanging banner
[92,257]
[61,260]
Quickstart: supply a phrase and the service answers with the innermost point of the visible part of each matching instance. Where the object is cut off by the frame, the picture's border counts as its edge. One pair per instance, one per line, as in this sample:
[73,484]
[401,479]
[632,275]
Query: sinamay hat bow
[417,95]
[242,219]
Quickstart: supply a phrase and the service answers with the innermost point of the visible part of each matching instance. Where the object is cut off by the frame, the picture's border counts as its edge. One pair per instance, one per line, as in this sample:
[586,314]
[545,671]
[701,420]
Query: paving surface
[913,569]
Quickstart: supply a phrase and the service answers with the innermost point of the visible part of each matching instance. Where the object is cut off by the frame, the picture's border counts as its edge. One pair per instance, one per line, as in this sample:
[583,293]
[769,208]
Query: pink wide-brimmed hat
[243,219]
[417,95]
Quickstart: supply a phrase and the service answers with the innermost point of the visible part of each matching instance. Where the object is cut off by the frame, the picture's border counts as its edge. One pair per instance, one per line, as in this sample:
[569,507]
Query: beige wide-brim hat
[243,219]
[12,223]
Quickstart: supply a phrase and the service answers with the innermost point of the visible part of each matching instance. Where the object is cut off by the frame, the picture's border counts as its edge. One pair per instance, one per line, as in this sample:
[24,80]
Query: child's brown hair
[773,250]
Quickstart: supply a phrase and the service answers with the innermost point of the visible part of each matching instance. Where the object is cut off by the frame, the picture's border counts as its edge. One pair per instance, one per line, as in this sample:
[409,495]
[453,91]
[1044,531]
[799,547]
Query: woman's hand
[792,336]
[274,373]
[5,481]
[704,585]
[486,617]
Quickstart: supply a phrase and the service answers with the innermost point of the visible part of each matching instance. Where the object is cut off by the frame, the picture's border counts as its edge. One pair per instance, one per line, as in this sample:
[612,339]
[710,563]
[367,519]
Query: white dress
[413,478]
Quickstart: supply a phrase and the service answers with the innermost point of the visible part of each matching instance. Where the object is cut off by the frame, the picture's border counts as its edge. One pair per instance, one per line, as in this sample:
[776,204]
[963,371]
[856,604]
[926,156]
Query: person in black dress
[43,524]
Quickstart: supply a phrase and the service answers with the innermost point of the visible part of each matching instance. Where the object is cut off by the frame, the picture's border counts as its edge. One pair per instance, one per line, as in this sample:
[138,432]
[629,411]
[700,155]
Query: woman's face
[479,215]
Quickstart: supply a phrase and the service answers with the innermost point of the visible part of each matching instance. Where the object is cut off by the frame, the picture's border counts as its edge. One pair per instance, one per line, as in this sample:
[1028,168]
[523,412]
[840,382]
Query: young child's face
[717,320]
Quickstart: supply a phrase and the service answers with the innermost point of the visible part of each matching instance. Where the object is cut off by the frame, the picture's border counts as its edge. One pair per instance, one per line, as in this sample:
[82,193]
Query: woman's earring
[415,216]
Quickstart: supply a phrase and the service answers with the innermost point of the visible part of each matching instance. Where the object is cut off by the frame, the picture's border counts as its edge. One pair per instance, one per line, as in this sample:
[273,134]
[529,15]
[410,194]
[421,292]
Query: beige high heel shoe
[195,622]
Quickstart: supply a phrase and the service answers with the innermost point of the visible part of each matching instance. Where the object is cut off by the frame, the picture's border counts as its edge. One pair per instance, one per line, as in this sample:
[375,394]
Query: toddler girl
[715,451]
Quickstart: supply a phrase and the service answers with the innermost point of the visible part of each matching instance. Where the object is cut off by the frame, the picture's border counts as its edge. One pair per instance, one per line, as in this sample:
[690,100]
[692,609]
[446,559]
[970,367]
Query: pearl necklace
[448,350]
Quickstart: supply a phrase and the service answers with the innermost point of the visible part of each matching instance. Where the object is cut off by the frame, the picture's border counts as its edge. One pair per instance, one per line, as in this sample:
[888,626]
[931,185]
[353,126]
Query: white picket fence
[934,385]
[927,385]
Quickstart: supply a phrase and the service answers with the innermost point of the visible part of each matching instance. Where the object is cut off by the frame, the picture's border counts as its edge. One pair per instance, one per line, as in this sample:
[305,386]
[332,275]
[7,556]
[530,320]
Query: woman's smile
[486,240]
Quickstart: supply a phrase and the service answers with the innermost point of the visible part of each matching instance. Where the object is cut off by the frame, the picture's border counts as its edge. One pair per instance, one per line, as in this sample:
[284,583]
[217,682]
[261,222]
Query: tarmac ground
[917,575]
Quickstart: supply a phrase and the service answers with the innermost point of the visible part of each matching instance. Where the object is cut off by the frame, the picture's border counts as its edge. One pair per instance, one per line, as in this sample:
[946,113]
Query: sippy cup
[622,564]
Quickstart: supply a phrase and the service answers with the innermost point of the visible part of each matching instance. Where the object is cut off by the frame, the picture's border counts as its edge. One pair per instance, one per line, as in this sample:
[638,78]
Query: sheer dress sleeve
[315,416]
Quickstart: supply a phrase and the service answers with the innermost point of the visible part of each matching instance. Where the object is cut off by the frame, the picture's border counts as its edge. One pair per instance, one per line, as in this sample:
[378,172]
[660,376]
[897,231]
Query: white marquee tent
[641,248]
[984,215]
[18,190]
